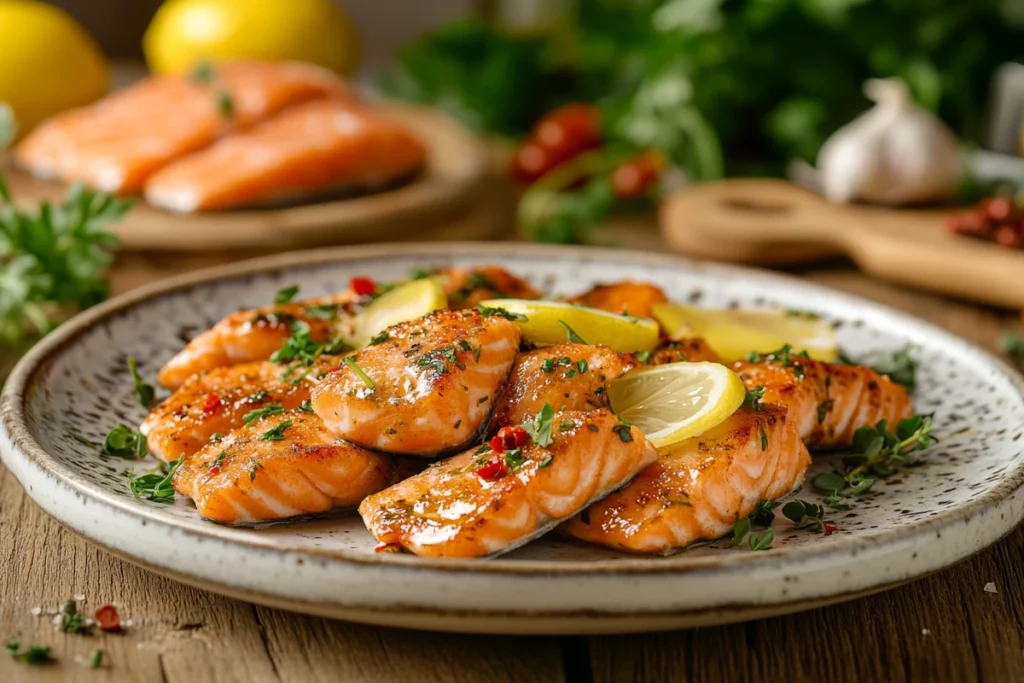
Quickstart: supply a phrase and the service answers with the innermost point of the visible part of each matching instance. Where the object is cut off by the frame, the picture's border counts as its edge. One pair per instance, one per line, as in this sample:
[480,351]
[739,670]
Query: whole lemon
[185,32]
[48,62]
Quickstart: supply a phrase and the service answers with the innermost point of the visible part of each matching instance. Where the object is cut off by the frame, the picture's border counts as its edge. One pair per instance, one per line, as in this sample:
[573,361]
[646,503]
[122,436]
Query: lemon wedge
[673,402]
[735,333]
[406,302]
[553,322]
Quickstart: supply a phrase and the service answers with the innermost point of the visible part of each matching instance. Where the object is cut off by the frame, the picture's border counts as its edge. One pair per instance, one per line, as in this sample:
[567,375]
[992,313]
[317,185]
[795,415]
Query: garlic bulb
[895,153]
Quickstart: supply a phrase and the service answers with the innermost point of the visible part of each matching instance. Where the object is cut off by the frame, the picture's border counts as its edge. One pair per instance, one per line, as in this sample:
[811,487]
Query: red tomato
[513,437]
[559,136]
[363,286]
[495,468]
[635,177]
[108,618]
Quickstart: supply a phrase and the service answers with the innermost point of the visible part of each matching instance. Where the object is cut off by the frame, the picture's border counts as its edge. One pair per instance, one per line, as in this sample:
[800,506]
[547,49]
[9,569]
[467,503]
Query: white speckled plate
[968,495]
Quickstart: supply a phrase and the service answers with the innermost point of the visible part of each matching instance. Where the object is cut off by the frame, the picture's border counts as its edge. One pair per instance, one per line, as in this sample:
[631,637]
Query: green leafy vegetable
[124,442]
[53,260]
[540,428]
[155,485]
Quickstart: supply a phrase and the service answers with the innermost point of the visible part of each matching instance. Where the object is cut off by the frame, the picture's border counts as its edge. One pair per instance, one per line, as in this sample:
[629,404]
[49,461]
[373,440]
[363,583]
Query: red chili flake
[108,618]
[512,437]
[497,444]
[387,548]
[494,469]
[212,404]
[829,529]
[363,286]
[214,470]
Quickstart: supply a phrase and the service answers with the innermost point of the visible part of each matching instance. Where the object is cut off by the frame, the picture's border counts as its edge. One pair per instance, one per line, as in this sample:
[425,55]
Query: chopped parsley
[155,485]
[784,357]
[225,105]
[550,364]
[754,398]
[143,391]
[593,427]
[623,430]
[643,356]
[485,448]
[285,295]
[514,459]
[582,365]
[548,459]
[351,363]
[898,365]
[301,348]
[380,338]
[96,660]
[438,359]
[475,350]
[322,311]
[490,311]
[33,655]
[124,442]
[219,460]
[268,410]
[807,315]
[764,440]
[202,72]
[306,406]
[540,429]
[71,620]
[276,433]
[567,425]
[570,334]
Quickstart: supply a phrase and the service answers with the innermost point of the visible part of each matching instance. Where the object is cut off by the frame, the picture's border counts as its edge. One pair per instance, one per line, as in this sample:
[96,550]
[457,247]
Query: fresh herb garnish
[514,459]
[33,655]
[380,338]
[804,514]
[485,448]
[570,334]
[489,311]
[225,105]
[593,427]
[1012,344]
[548,459]
[898,365]
[540,428]
[764,439]
[155,485]
[54,259]
[351,363]
[438,359]
[71,620]
[784,357]
[321,311]
[306,406]
[566,425]
[202,72]
[219,460]
[549,364]
[124,442]
[286,294]
[643,356]
[276,433]
[268,410]
[764,513]
[875,453]
[807,315]
[582,365]
[761,540]
[623,430]
[754,398]
[143,391]
[96,659]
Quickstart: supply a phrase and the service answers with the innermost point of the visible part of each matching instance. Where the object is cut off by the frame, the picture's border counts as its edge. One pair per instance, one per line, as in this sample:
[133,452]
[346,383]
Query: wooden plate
[448,189]
[76,382]
[773,222]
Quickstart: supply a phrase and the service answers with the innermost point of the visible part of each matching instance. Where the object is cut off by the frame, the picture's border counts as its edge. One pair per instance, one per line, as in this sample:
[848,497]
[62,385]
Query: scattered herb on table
[1012,344]
[71,620]
[35,654]
[96,659]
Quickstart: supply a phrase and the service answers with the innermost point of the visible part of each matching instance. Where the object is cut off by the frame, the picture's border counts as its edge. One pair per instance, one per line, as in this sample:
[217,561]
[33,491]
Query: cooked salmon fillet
[255,334]
[116,144]
[427,388]
[701,487]
[630,298]
[316,148]
[217,401]
[279,467]
[827,402]
[568,376]
[690,350]
[466,288]
[481,503]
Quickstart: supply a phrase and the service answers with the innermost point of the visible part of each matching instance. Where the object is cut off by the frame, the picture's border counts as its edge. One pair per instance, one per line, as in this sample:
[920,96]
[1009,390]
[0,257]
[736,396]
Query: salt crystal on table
[926,632]
[990,587]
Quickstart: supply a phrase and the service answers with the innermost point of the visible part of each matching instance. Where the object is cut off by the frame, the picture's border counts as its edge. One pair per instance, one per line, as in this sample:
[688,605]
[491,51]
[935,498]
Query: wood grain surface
[944,628]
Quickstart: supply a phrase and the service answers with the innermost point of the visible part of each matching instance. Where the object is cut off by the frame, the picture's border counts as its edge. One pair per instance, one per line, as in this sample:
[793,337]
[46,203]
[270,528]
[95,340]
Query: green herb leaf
[268,410]
[762,540]
[277,432]
[764,439]
[96,659]
[286,294]
[351,363]
[71,620]
[380,338]
[306,406]
[540,428]
[489,311]
[124,442]
[514,459]
[548,459]
[624,432]
[764,513]
[202,72]
[754,398]
[643,356]
[570,334]
[143,391]
[155,485]
[740,530]
[898,365]
[322,311]
[1012,344]
[225,105]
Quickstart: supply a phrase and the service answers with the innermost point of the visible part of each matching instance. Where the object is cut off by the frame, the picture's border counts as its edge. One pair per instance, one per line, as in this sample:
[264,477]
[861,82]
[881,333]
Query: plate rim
[13,402]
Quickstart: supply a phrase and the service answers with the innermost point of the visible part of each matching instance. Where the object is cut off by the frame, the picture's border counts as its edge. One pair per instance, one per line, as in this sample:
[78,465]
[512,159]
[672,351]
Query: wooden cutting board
[446,191]
[773,222]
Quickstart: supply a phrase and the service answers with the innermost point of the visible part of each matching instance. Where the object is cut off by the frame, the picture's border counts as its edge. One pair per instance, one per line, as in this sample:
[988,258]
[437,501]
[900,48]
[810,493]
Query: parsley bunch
[53,260]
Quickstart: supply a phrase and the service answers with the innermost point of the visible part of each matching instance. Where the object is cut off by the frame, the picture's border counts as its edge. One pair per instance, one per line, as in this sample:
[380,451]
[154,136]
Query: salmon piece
[255,334]
[279,467]
[467,288]
[452,510]
[116,144]
[216,402]
[699,489]
[316,148]
[553,375]
[630,298]
[691,350]
[427,389]
[828,402]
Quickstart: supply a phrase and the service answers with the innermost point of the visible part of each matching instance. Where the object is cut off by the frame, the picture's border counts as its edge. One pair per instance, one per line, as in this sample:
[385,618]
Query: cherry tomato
[513,437]
[634,178]
[363,286]
[559,136]
[108,618]
[531,162]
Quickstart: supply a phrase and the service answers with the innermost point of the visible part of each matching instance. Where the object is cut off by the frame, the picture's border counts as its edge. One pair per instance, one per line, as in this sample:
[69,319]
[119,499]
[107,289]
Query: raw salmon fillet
[452,510]
[116,144]
[827,402]
[279,467]
[701,487]
[426,389]
[568,376]
[315,148]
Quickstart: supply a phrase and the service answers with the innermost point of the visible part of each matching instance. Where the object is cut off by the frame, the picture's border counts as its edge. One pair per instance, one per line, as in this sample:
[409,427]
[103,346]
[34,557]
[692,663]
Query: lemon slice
[406,302]
[735,333]
[673,402]
[550,322]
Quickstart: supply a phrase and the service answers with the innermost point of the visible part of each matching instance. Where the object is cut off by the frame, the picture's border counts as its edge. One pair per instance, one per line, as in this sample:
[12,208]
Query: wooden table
[942,628]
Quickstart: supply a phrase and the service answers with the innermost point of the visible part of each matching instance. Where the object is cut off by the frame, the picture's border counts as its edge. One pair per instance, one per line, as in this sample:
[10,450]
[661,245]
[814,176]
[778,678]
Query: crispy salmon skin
[481,503]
